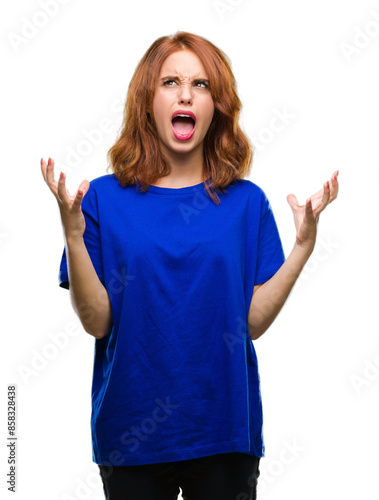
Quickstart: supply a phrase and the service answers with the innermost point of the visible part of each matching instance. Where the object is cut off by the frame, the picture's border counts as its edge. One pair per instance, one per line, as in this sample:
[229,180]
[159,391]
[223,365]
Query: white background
[311,61]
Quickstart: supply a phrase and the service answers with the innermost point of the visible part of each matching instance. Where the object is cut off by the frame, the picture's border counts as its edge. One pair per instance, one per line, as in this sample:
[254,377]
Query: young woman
[174,264]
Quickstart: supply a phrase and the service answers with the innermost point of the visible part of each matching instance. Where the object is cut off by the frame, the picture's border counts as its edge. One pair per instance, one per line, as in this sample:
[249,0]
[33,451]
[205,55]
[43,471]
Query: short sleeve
[270,250]
[92,239]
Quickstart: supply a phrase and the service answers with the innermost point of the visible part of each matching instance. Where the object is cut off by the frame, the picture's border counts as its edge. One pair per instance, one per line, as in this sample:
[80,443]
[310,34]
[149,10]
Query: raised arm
[89,297]
[269,297]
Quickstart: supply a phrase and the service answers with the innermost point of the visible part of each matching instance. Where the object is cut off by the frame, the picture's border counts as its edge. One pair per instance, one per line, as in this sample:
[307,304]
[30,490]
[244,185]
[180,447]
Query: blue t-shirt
[177,378]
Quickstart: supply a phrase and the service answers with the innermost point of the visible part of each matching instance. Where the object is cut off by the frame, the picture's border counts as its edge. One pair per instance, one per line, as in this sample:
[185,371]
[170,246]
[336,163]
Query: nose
[185,94]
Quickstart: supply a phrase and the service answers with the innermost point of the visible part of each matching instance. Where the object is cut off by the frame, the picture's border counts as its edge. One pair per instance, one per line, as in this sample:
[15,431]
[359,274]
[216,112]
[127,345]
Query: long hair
[136,157]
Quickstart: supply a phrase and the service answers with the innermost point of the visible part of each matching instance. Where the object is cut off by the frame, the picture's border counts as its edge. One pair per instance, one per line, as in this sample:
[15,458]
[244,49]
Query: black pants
[225,476]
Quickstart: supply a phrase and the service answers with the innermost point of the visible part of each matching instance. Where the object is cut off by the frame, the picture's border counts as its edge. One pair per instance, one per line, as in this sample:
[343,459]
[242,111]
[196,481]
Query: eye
[203,84]
[168,83]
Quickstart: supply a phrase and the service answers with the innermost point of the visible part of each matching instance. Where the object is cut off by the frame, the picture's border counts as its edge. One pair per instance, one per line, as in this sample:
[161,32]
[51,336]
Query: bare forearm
[269,298]
[88,295]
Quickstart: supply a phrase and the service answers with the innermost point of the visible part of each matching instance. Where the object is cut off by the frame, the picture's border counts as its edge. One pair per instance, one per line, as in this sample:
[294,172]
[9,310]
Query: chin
[182,146]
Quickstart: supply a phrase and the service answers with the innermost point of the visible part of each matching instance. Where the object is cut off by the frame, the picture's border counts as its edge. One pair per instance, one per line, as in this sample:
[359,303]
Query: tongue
[182,125]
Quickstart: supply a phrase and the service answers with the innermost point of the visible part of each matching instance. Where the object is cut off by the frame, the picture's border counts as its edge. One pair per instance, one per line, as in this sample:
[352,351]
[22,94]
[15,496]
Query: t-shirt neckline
[182,190]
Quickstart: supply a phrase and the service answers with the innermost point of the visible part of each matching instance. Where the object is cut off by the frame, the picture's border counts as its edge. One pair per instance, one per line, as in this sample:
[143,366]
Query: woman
[174,264]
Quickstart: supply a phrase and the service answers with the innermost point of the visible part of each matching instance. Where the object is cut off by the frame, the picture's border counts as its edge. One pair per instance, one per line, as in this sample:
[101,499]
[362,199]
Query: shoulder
[101,190]
[252,195]
[248,188]
[104,187]
[103,182]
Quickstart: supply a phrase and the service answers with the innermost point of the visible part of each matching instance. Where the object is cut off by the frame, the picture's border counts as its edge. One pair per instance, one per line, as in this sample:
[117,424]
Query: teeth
[185,116]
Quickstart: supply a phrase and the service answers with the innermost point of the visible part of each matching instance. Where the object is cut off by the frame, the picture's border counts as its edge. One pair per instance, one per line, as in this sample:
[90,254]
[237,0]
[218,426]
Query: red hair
[136,157]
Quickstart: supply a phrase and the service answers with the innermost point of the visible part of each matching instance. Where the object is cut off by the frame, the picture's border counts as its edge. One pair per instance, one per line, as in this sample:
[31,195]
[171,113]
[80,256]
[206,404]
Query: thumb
[80,193]
[292,201]
[84,186]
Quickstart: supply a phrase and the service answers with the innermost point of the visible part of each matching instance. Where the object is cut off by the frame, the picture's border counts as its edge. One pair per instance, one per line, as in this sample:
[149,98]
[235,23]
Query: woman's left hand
[306,216]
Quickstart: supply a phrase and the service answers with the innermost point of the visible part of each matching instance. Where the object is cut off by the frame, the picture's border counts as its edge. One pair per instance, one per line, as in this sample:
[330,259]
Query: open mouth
[183,126]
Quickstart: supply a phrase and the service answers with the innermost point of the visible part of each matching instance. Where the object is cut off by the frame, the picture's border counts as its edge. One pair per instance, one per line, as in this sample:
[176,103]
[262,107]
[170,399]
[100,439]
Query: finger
[84,185]
[324,200]
[334,187]
[317,196]
[78,199]
[43,169]
[50,173]
[81,192]
[63,194]
[292,201]
[308,208]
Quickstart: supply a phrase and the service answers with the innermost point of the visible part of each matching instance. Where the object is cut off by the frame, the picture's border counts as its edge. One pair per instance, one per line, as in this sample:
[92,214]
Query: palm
[69,206]
[306,216]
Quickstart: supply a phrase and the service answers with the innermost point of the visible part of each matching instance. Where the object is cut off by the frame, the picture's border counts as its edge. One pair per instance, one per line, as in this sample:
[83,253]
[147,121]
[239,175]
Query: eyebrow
[171,77]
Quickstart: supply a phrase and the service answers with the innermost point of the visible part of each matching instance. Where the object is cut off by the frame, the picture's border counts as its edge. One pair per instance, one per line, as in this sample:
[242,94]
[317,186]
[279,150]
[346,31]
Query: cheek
[156,112]
[210,109]
[160,110]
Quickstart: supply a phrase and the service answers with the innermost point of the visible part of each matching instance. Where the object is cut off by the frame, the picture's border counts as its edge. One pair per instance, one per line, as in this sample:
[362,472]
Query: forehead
[184,63]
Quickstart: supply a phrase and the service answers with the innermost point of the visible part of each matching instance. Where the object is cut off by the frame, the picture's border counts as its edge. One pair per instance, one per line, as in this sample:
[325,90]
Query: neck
[186,168]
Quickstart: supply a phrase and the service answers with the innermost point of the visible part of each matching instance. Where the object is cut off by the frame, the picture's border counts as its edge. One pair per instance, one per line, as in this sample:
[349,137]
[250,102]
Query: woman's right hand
[70,207]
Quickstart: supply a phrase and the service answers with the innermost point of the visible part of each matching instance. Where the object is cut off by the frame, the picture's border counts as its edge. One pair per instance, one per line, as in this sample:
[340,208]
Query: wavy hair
[136,157]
